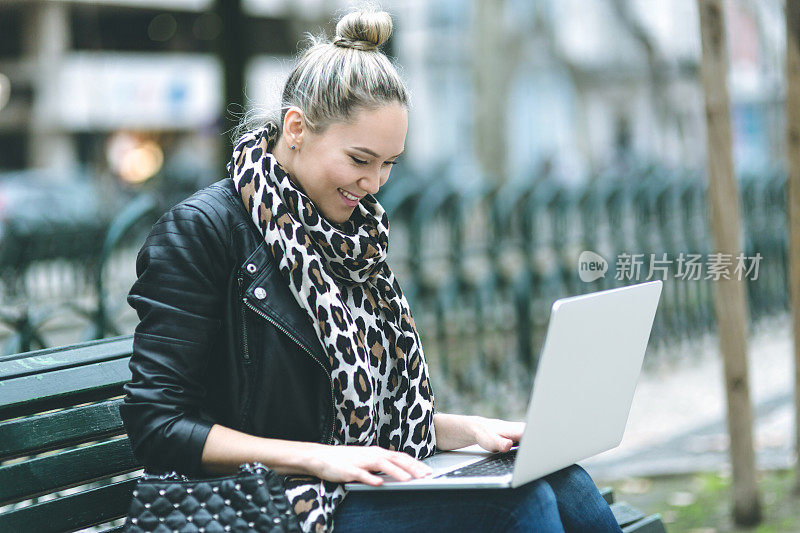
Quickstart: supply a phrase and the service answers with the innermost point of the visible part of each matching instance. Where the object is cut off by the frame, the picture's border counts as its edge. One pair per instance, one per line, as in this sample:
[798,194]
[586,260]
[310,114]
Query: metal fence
[69,273]
[68,243]
[481,264]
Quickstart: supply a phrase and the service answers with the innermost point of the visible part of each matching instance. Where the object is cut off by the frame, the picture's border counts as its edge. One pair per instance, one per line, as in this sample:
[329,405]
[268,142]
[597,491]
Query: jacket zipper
[246,352]
[330,381]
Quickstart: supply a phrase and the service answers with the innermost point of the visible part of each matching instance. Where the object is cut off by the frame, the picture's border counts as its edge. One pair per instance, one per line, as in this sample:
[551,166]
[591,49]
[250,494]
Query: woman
[272,329]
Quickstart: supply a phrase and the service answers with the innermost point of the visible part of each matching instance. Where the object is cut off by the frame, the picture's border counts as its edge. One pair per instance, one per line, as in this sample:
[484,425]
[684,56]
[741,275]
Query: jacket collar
[266,290]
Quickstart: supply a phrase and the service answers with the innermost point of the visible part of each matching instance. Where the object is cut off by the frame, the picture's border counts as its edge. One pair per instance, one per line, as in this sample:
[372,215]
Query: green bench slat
[23,364]
[34,434]
[42,475]
[608,494]
[625,514]
[650,524]
[75,511]
[61,388]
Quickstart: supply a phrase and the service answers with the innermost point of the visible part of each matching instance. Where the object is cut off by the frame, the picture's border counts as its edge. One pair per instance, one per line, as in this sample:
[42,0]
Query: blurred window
[112,28]
[448,13]
[269,36]
[14,154]
[10,32]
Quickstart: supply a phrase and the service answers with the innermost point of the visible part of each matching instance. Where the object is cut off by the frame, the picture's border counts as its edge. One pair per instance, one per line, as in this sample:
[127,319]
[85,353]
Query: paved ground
[678,423]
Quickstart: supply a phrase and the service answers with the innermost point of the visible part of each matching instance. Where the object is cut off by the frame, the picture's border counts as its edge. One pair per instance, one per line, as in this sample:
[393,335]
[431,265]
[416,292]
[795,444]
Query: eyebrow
[373,154]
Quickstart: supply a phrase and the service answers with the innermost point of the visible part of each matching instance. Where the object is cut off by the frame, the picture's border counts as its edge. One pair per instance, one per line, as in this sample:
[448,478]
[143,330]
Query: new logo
[591,266]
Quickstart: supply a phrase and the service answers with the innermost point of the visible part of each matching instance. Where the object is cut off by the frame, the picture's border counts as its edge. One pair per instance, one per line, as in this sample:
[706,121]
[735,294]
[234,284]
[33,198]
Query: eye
[358,161]
[391,162]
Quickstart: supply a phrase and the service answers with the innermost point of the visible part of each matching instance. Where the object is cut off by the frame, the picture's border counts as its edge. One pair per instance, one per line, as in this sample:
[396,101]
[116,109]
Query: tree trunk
[729,295]
[793,193]
[496,54]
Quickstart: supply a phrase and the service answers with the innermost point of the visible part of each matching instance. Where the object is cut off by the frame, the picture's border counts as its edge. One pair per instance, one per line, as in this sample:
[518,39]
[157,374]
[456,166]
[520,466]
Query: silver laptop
[582,394]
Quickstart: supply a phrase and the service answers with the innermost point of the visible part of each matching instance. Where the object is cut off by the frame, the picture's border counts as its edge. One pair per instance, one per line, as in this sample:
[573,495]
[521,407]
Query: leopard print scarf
[339,275]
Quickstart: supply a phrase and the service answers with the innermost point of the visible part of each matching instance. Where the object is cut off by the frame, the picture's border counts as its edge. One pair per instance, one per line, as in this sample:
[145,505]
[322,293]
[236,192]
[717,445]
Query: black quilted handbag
[252,500]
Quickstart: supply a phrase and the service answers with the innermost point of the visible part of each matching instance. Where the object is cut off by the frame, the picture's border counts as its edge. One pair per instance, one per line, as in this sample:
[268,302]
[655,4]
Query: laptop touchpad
[450,460]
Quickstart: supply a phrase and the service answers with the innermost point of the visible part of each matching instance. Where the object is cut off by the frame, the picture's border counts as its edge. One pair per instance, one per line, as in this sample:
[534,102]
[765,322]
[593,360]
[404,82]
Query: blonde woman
[273,330]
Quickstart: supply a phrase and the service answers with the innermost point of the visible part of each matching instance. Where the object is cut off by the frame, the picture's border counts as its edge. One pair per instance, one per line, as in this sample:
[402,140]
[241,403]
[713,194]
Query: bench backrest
[60,428]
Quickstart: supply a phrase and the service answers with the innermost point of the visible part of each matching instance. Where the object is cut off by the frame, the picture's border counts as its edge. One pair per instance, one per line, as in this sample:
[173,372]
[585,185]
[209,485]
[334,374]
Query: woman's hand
[458,431]
[357,463]
[496,435]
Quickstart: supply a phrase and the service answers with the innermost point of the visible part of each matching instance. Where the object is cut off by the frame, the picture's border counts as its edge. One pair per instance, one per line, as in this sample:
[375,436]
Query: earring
[293,147]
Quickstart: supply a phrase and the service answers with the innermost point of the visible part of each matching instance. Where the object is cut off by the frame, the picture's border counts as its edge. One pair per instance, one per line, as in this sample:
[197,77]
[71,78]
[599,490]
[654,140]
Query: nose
[371,183]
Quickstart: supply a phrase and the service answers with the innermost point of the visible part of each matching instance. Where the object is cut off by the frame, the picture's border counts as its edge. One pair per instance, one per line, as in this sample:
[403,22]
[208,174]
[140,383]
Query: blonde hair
[334,80]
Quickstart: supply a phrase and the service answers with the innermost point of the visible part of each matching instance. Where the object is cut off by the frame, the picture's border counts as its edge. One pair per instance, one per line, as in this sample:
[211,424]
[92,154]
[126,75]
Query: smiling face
[348,160]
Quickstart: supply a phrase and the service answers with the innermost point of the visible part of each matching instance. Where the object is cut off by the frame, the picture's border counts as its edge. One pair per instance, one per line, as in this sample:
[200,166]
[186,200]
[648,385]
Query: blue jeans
[565,501]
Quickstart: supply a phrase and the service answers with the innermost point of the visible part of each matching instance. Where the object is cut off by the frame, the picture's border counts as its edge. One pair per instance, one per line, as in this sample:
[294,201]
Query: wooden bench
[65,461]
[60,428]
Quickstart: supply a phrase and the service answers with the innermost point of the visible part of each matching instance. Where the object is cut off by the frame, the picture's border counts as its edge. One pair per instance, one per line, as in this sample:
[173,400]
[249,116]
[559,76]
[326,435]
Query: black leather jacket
[221,339]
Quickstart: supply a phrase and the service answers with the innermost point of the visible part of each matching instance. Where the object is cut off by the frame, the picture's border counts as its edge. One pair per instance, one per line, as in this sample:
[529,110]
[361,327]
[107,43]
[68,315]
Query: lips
[349,195]
[348,198]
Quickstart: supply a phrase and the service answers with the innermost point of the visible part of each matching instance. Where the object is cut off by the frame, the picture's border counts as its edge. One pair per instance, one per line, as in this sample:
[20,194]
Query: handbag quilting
[252,500]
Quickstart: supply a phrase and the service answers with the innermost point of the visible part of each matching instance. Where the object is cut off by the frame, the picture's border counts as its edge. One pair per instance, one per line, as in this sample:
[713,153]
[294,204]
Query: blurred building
[568,86]
[90,80]
[589,85]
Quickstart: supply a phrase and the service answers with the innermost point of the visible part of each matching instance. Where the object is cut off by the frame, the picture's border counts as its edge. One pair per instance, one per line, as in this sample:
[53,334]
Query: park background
[538,130]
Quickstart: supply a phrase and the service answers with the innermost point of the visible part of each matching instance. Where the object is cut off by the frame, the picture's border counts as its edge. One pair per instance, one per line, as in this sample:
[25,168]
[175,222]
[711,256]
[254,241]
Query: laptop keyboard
[495,465]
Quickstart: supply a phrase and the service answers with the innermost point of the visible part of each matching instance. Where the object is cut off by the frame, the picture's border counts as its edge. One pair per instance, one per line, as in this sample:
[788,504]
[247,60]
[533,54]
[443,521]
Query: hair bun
[365,29]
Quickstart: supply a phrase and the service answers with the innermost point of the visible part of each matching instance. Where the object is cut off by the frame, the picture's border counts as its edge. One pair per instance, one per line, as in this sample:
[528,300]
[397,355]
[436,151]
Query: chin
[341,219]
